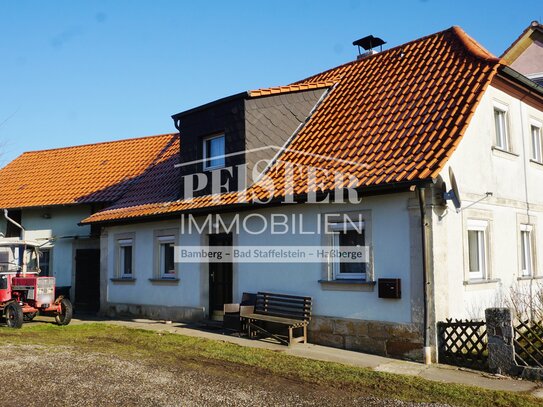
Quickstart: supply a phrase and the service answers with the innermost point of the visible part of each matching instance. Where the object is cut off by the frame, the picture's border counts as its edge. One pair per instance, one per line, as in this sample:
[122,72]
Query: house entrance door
[220,278]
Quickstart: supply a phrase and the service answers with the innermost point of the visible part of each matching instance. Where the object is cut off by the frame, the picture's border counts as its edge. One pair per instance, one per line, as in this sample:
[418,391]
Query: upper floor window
[501,128]
[477,249]
[214,150]
[526,250]
[537,144]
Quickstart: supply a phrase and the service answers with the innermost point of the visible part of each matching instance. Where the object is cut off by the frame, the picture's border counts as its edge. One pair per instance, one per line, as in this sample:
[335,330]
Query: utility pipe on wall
[425,280]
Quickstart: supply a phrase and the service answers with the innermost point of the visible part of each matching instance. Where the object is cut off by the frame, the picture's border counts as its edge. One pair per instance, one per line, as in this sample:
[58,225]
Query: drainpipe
[15,223]
[425,280]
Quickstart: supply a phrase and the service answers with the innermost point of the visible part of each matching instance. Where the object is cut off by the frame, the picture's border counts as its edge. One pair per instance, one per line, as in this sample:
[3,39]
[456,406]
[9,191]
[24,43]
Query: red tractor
[23,294]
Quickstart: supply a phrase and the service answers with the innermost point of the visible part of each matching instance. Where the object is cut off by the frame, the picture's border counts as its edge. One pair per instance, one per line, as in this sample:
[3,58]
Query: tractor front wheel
[14,315]
[66,311]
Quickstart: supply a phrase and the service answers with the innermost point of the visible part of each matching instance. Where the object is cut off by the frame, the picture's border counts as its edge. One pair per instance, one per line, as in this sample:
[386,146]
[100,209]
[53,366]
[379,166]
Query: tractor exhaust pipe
[15,223]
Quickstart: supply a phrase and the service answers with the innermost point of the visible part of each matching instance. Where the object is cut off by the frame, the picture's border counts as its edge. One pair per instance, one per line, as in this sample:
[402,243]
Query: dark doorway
[87,280]
[220,278]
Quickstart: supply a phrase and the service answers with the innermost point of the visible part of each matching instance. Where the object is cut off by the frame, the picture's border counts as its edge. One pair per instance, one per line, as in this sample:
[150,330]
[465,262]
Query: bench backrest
[282,305]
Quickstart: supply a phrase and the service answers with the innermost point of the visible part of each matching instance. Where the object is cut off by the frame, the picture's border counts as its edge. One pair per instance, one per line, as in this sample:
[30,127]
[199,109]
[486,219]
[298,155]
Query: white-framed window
[125,258]
[166,259]
[214,151]
[477,249]
[526,251]
[345,236]
[501,128]
[537,143]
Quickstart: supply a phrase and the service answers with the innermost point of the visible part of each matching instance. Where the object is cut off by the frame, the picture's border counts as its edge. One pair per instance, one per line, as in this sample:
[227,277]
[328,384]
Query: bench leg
[305,333]
[290,336]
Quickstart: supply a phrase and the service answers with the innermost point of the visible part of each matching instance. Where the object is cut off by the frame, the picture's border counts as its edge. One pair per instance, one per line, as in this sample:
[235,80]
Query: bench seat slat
[276,319]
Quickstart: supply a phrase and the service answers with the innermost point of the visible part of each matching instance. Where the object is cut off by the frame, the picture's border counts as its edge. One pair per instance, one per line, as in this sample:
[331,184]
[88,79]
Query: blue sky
[77,72]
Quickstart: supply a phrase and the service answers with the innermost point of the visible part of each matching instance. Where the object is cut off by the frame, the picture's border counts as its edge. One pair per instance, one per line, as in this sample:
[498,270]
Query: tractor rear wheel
[66,311]
[29,316]
[14,315]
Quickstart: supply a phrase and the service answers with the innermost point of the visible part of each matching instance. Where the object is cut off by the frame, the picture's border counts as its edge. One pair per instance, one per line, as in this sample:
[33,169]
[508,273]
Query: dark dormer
[230,137]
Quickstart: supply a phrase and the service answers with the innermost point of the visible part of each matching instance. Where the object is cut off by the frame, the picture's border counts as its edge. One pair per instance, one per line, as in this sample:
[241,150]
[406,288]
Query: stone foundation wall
[181,314]
[380,338]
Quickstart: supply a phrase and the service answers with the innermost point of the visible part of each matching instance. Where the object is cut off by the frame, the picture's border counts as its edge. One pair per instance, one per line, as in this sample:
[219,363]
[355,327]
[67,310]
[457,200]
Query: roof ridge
[473,46]
[96,143]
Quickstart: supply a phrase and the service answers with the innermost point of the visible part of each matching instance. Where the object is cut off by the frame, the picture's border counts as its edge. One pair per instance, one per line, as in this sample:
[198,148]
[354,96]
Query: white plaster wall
[391,252]
[516,184]
[63,222]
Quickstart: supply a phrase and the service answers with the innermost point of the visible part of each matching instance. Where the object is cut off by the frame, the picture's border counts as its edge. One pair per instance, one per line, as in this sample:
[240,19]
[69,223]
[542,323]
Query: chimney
[368,43]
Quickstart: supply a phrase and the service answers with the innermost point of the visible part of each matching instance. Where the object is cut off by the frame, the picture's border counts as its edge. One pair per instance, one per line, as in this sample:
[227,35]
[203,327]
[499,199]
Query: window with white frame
[477,249]
[526,250]
[537,143]
[214,151]
[166,260]
[348,236]
[501,128]
[125,263]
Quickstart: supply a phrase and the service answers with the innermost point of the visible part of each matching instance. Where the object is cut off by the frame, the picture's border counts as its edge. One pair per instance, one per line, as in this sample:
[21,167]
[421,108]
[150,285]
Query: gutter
[382,189]
[519,78]
[426,266]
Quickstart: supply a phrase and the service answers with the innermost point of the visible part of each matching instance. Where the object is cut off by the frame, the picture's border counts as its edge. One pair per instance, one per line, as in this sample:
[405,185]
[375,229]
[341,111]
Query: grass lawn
[168,348]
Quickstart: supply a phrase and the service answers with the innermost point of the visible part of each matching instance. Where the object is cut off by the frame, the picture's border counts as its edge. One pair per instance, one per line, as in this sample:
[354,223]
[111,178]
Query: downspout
[425,280]
[15,223]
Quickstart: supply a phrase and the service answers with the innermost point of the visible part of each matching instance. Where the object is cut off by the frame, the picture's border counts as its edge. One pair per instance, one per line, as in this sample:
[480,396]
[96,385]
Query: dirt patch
[40,375]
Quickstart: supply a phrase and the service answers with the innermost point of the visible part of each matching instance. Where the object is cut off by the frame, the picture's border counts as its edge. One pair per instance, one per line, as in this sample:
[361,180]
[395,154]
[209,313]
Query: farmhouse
[429,155]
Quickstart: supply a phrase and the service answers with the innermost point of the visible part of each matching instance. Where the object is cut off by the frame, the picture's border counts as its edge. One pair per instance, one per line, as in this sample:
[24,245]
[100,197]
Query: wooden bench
[292,311]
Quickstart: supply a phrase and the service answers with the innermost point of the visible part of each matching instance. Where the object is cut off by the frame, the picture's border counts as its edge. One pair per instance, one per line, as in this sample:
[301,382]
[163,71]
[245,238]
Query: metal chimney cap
[369,42]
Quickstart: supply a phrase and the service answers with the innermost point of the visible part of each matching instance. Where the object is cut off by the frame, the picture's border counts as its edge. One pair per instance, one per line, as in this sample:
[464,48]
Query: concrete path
[436,372]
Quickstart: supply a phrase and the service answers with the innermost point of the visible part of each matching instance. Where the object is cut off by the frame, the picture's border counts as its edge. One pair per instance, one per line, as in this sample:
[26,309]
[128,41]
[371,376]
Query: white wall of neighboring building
[517,187]
[391,243]
[60,223]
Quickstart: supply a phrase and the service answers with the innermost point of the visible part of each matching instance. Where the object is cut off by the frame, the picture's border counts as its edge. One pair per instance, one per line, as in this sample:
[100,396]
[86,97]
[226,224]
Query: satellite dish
[453,194]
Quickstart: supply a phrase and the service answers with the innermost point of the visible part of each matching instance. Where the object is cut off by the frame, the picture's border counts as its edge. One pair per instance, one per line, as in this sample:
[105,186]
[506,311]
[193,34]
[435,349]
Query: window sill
[523,278]
[537,163]
[347,284]
[164,281]
[500,152]
[122,280]
[482,281]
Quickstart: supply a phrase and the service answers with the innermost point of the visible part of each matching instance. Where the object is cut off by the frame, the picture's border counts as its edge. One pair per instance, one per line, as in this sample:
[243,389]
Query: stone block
[321,324]
[404,349]
[350,327]
[327,339]
[378,330]
[365,344]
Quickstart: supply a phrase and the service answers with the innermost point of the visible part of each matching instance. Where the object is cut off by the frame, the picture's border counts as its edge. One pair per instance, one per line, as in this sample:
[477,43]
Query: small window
[477,250]
[537,144]
[348,235]
[166,261]
[214,150]
[500,122]
[526,248]
[126,263]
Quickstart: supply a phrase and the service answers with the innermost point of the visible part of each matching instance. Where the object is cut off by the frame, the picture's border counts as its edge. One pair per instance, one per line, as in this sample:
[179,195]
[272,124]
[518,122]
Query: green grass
[165,348]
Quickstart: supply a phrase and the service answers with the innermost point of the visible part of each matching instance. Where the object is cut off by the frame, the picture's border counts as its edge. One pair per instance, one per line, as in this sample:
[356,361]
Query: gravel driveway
[39,375]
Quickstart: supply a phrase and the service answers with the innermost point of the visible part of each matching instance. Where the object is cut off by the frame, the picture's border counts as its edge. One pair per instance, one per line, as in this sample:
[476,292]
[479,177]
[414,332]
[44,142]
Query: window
[477,249]
[500,122]
[214,150]
[537,144]
[126,260]
[166,261]
[348,236]
[526,247]
[45,262]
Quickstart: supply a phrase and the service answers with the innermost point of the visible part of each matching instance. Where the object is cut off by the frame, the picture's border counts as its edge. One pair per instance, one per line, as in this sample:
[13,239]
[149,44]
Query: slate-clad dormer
[232,136]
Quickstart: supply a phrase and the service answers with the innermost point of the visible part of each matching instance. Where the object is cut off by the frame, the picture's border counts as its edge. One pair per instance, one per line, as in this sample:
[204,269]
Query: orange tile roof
[100,172]
[393,117]
[292,88]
